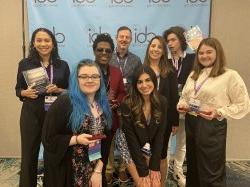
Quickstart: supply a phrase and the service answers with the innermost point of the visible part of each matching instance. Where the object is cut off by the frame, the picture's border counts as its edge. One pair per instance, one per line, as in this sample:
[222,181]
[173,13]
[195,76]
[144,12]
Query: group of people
[117,101]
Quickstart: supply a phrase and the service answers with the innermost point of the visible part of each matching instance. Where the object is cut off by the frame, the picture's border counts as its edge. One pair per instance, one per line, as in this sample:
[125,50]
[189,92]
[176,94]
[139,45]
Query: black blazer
[169,89]
[60,70]
[187,65]
[137,137]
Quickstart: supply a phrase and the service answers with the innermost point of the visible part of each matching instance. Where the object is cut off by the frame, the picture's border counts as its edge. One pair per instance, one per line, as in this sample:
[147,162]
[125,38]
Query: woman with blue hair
[74,132]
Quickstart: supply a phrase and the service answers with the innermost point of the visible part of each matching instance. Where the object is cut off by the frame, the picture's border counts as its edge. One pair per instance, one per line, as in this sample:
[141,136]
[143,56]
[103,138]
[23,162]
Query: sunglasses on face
[102,50]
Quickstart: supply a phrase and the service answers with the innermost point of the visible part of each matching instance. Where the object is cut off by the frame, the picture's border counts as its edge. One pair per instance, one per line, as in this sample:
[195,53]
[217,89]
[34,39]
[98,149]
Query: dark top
[169,88]
[187,65]
[137,137]
[60,75]
[131,62]
[56,137]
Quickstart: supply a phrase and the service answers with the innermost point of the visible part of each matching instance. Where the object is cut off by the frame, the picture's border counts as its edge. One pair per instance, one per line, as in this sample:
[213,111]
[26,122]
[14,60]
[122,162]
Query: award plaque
[37,79]
[193,37]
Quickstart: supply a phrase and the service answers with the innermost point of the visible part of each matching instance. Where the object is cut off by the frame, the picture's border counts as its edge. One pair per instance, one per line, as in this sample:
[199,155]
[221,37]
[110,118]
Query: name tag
[94,151]
[146,149]
[125,81]
[194,106]
[48,101]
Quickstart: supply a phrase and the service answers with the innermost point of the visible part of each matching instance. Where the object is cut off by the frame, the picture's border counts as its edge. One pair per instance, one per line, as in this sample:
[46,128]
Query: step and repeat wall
[76,23]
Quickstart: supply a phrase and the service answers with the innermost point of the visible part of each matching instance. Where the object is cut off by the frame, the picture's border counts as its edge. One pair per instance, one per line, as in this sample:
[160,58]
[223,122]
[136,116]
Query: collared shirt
[133,62]
[177,63]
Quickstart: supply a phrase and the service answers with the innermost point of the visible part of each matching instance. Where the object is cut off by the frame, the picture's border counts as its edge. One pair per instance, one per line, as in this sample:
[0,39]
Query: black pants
[31,121]
[206,152]
[167,134]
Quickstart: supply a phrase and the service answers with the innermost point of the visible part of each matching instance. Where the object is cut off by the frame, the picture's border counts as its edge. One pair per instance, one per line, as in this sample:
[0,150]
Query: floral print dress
[81,166]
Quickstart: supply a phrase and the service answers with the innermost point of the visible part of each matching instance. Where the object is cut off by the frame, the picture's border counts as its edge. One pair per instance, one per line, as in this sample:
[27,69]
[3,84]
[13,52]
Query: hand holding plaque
[37,79]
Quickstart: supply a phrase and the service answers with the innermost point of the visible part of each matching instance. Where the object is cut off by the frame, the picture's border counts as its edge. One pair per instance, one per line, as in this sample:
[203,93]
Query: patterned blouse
[81,166]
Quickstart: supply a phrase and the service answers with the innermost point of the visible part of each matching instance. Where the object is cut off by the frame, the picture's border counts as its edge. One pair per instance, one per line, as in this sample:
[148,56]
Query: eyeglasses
[101,50]
[93,77]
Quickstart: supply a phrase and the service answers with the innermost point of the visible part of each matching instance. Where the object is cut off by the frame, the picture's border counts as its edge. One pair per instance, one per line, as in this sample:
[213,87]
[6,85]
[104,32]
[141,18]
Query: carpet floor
[238,174]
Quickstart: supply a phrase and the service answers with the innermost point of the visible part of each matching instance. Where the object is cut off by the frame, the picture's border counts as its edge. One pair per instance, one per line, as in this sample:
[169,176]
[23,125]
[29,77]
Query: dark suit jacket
[137,137]
[169,89]
[116,89]
[60,75]
[187,65]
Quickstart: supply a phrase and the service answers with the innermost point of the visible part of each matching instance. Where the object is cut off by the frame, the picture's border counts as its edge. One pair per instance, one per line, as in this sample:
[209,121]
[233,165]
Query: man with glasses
[122,57]
[103,48]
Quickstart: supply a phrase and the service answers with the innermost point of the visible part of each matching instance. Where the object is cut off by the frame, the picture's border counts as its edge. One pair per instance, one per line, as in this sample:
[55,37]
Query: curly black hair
[103,37]
[179,32]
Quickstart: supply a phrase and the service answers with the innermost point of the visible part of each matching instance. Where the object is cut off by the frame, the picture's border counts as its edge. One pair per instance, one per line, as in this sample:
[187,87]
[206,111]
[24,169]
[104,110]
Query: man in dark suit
[182,63]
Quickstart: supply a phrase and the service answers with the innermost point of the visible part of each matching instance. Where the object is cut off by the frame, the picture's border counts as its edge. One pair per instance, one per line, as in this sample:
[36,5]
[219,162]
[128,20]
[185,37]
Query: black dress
[67,166]
[169,89]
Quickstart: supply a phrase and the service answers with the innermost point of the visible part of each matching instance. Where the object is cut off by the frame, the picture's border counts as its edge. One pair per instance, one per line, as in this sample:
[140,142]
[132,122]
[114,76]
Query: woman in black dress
[43,54]
[157,58]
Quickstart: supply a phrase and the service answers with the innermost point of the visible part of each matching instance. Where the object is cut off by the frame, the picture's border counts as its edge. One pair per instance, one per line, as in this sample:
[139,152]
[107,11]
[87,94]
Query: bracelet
[98,172]
[77,140]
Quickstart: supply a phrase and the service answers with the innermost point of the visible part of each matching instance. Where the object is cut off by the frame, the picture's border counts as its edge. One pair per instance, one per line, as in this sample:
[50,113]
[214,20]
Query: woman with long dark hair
[74,132]
[43,60]
[143,116]
[157,58]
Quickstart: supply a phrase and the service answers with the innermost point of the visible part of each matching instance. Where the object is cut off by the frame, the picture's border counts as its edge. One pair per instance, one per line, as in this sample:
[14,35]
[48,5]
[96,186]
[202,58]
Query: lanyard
[120,65]
[176,65]
[198,87]
[51,72]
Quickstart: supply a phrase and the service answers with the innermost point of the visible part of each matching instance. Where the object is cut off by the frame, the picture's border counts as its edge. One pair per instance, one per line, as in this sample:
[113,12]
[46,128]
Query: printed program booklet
[37,79]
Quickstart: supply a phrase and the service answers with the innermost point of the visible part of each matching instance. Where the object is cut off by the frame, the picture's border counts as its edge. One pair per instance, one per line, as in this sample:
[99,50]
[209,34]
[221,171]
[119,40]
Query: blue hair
[79,101]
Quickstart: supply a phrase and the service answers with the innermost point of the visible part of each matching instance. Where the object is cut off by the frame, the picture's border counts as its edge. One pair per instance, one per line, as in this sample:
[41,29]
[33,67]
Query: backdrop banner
[76,23]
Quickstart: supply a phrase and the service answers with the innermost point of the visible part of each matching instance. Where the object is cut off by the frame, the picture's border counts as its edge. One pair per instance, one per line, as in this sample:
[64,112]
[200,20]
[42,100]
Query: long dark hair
[135,101]
[164,66]
[33,52]
[220,61]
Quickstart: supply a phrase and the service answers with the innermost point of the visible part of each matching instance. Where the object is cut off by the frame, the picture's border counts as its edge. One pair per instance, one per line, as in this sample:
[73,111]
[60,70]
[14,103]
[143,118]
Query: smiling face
[123,39]
[103,53]
[89,79]
[155,50]
[206,55]
[43,44]
[145,85]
